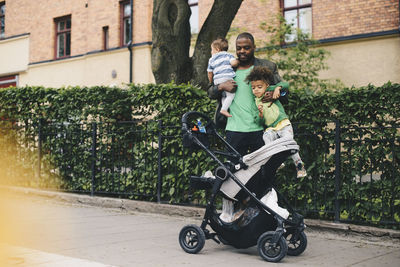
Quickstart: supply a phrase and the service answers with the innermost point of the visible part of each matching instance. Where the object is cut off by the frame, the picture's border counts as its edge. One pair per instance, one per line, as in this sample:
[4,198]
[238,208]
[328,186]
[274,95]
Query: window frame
[9,80]
[297,7]
[64,32]
[3,17]
[106,38]
[122,22]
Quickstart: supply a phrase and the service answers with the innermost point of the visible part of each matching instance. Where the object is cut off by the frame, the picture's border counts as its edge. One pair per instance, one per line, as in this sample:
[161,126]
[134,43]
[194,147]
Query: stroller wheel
[192,238]
[270,252]
[296,245]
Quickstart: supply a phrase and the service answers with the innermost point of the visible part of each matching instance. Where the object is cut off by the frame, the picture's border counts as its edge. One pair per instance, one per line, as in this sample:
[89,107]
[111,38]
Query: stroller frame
[272,245]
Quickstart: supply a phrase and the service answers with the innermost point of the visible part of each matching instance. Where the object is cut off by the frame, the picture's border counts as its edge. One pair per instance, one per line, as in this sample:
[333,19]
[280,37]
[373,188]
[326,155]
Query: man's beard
[247,59]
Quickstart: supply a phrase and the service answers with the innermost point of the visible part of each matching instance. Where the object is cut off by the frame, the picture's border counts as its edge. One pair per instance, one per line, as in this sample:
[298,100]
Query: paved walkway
[36,231]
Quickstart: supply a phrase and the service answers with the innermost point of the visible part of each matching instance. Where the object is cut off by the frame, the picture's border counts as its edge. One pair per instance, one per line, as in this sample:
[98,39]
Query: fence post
[39,150]
[94,146]
[337,170]
[159,173]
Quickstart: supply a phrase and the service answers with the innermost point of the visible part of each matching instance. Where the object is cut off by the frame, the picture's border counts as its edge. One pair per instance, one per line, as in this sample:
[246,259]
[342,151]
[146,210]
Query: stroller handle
[185,125]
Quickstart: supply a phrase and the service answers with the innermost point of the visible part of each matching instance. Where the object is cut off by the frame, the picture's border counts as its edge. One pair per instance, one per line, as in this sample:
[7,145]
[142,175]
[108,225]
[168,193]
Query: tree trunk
[171,40]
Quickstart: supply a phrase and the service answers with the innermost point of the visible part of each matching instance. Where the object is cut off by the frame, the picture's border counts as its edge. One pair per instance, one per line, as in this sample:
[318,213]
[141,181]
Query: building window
[125,22]
[2,19]
[8,81]
[194,18]
[298,13]
[63,37]
[105,38]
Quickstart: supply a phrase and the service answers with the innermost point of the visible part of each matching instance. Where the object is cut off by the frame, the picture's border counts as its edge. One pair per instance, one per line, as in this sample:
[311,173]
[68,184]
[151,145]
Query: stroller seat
[255,161]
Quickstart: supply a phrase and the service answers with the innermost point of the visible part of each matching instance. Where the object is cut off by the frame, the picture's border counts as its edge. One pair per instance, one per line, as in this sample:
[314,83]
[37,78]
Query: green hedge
[373,149]
[70,112]
[368,105]
[369,120]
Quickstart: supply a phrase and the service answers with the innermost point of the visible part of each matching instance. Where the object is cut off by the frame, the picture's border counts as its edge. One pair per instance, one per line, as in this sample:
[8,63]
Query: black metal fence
[353,172]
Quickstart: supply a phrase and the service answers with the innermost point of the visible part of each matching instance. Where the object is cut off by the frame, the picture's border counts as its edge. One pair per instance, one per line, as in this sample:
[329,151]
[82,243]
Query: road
[43,232]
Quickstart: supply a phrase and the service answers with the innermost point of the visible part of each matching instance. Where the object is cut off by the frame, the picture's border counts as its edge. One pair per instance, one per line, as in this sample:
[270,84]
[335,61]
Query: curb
[186,211]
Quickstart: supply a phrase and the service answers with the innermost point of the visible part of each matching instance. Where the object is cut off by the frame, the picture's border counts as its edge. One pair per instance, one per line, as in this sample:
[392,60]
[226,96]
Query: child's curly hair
[260,73]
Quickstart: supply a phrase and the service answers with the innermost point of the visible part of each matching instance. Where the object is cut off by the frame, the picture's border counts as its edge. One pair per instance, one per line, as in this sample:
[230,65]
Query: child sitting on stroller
[273,113]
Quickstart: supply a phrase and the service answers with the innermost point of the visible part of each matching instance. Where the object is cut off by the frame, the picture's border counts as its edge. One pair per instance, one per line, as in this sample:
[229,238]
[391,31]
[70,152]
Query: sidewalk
[185,211]
[58,229]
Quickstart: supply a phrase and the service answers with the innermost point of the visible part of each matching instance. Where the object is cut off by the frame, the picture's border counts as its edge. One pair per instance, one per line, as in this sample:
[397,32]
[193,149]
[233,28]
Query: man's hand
[268,97]
[228,86]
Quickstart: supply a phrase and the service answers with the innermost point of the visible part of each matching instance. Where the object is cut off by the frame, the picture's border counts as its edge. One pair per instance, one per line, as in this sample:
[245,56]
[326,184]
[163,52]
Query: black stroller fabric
[244,232]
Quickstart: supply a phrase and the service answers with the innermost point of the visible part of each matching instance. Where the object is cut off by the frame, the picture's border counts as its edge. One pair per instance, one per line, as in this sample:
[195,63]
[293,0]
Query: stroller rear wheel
[296,243]
[269,251]
[192,238]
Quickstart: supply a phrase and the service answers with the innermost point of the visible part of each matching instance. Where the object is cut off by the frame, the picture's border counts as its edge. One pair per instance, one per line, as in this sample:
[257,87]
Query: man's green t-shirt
[243,108]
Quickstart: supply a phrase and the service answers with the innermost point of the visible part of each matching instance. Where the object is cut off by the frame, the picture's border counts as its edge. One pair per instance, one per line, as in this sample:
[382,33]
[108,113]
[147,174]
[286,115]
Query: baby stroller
[242,180]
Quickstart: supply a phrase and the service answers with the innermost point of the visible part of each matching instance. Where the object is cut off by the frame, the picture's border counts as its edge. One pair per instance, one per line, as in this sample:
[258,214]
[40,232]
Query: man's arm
[280,89]
[277,77]
[214,91]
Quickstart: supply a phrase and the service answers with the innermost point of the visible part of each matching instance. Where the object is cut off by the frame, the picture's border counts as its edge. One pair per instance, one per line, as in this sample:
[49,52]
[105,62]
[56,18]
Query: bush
[127,153]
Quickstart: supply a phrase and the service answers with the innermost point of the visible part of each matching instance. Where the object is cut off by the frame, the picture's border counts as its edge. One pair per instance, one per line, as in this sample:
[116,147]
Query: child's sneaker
[301,171]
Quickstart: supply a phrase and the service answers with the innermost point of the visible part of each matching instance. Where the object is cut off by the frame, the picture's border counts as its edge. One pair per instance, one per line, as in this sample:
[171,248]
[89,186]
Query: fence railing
[353,172]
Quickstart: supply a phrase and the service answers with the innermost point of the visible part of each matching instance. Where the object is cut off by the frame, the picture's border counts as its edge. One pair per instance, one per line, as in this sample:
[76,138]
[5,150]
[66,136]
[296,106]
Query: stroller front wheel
[192,238]
[269,251]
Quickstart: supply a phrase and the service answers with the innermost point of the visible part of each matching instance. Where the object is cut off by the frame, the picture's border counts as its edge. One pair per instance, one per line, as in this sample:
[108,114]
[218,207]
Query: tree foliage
[299,61]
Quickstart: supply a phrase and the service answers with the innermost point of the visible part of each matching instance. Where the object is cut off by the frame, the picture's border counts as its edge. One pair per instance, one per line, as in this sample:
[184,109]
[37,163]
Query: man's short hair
[221,44]
[245,35]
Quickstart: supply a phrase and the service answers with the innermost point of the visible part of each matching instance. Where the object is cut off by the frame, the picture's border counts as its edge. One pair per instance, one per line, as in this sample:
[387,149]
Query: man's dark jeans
[245,142]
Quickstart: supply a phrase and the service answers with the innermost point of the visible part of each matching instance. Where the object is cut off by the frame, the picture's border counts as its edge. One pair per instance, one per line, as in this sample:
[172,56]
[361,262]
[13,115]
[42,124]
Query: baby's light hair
[220,44]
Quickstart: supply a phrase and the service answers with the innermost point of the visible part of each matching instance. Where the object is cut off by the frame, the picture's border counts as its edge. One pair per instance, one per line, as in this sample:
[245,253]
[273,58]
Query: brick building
[74,42]
[84,42]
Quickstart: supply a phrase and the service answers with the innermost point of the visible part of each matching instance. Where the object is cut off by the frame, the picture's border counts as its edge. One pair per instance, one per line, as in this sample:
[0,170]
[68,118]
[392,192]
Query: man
[243,130]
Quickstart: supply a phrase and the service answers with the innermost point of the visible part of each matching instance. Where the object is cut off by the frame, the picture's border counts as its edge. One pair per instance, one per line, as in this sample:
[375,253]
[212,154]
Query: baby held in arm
[220,69]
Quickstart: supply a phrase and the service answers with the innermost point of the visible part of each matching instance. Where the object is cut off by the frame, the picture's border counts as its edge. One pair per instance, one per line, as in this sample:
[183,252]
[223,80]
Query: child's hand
[234,63]
[277,92]
[260,111]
